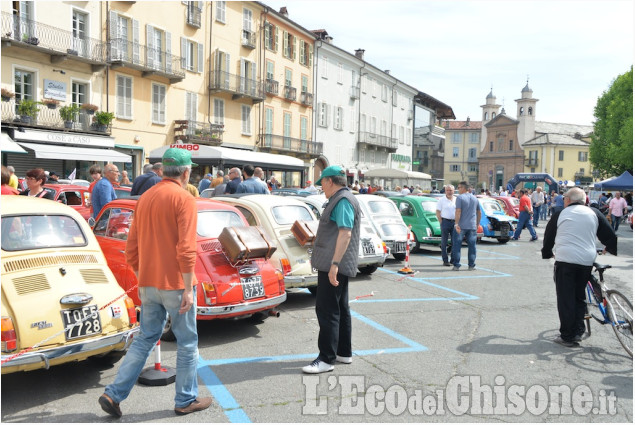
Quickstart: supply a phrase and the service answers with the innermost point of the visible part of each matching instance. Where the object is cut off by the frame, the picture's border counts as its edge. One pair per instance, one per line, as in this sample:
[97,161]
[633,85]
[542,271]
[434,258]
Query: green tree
[611,150]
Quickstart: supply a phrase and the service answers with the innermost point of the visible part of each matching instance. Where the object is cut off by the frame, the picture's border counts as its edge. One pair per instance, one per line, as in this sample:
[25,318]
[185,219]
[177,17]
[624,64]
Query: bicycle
[609,306]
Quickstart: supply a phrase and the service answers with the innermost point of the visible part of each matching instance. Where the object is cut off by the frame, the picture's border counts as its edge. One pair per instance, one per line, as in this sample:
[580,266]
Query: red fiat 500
[72,195]
[224,290]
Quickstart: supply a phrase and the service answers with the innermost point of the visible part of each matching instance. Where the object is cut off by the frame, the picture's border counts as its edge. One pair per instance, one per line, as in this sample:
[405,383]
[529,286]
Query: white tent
[400,177]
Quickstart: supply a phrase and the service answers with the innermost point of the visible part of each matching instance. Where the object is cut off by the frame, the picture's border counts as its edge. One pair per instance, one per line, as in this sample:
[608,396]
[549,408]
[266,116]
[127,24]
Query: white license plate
[81,322]
[400,247]
[368,248]
[252,287]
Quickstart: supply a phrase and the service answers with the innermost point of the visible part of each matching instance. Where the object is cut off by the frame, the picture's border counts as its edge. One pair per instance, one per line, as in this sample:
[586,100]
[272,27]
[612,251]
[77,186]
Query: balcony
[271,87]
[378,140]
[201,133]
[531,162]
[49,119]
[193,17]
[472,160]
[237,85]
[248,39]
[283,144]
[60,44]
[290,93]
[124,53]
[354,92]
[306,98]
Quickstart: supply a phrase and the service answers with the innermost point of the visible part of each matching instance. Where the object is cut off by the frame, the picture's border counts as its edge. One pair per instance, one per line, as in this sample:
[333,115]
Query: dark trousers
[447,230]
[334,318]
[571,280]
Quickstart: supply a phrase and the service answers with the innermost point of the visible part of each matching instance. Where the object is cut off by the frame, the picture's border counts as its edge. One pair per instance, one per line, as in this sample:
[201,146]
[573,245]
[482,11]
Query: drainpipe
[315,97]
[209,97]
[262,53]
[359,110]
[392,111]
[107,67]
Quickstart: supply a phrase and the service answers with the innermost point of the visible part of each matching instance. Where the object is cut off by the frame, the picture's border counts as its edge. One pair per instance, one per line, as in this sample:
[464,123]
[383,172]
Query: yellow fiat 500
[60,301]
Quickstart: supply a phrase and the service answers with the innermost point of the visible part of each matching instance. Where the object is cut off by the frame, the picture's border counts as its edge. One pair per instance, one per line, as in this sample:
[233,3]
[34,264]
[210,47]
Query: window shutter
[285,44]
[252,83]
[150,49]
[310,55]
[302,52]
[277,37]
[168,52]
[114,36]
[295,47]
[200,57]
[188,105]
[136,55]
[183,53]
[227,64]
[242,75]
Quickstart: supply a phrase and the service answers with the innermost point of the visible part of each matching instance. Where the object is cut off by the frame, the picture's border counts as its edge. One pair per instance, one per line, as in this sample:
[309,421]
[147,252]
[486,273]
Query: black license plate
[81,322]
[368,248]
[252,287]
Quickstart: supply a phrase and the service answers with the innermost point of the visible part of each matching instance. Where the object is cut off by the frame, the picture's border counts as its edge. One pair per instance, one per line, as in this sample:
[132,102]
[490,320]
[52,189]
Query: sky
[457,51]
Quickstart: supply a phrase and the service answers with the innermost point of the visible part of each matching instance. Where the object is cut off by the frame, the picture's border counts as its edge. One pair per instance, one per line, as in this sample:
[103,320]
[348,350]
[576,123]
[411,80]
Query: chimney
[387,71]
[467,124]
[359,54]
[284,12]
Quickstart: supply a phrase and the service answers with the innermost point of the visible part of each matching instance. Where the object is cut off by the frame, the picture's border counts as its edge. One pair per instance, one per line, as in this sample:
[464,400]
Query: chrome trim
[78,298]
[245,307]
[300,281]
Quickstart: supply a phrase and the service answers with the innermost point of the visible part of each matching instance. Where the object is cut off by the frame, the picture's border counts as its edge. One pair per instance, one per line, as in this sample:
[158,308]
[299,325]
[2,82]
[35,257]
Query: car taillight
[9,340]
[286,266]
[383,244]
[132,312]
[209,292]
[280,281]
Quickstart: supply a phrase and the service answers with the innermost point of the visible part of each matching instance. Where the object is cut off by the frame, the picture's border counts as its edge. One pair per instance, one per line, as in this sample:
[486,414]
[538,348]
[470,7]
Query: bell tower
[526,115]
[490,111]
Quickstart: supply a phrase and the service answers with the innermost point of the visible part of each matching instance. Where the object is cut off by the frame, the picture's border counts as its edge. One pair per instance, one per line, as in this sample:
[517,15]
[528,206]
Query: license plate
[252,287]
[400,247]
[81,322]
[368,248]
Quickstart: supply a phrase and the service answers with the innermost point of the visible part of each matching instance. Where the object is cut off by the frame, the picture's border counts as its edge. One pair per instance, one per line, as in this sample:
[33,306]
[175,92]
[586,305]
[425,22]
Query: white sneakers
[318,366]
[345,360]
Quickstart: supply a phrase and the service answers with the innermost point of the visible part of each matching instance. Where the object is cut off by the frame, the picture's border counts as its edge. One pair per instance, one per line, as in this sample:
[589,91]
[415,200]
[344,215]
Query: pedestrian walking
[145,181]
[335,254]
[234,180]
[537,200]
[164,264]
[572,233]
[446,212]
[525,217]
[617,208]
[104,190]
[466,217]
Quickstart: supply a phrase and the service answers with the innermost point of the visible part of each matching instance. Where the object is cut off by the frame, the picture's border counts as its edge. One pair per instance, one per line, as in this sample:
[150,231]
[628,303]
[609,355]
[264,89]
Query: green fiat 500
[420,213]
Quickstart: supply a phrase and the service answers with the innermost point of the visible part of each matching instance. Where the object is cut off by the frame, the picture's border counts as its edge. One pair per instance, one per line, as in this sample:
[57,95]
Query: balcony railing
[238,85]
[300,147]
[47,118]
[201,133]
[306,98]
[387,142]
[193,17]
[271,86]
[531,162]
[248,39]
[354,92]
[472,160]
[122,52]
[290,92]
[58,43]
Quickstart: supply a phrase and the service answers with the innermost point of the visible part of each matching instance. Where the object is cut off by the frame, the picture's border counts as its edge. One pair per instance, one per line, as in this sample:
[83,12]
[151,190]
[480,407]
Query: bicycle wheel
[620,313]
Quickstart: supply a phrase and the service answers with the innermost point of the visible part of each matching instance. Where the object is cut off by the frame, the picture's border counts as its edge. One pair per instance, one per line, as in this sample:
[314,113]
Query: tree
[611,150]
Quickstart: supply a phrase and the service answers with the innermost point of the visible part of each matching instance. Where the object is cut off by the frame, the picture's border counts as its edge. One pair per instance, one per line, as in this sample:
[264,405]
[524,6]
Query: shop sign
[54,90]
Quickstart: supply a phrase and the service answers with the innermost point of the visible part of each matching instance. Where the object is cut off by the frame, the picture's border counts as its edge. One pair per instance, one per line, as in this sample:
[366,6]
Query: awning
[213,155]
[81,154]
[397,174]
[8,145]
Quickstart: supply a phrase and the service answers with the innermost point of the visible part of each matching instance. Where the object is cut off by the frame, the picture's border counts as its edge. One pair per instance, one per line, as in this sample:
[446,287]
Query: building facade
[463,140]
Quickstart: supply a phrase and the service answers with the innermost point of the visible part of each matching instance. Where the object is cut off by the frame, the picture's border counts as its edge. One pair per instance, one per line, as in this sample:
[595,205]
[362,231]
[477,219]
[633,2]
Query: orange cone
[406,269]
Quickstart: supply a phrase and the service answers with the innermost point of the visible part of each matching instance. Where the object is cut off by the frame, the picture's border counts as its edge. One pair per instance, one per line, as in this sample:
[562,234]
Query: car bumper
[431,240]
[300,281]
[43,359]
[243,308]
[370,260]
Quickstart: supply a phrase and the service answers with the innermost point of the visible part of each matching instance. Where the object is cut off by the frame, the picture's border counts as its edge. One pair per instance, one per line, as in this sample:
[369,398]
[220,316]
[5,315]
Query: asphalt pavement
[438,345]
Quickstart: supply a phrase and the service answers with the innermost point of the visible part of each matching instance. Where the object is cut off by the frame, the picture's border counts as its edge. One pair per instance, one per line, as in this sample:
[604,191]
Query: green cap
[333,170]
[177,157]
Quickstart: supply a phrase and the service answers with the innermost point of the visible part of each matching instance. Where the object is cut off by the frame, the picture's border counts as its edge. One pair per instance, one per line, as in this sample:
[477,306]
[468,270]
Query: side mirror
[91,221]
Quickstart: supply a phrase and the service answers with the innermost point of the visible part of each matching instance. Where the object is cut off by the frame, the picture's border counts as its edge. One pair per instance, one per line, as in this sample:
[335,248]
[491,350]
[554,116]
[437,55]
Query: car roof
[62,186]
[265,200]
[201,203]
[15,204]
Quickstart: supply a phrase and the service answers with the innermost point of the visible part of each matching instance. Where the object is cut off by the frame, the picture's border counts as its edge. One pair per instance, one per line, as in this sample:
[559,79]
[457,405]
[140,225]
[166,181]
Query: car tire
[368,270]
[312,289]
[417,247]
[503,240]
[107,359]
[168,334]
[399,257]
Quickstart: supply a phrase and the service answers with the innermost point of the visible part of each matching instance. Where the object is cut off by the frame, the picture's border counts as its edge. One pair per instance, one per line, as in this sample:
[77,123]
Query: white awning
[397,174]
[81,154]
[206,154]
[8,145]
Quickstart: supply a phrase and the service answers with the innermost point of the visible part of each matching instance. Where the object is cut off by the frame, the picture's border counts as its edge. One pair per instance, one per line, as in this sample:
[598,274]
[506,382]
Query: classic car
[385,218]
[510,205]
[77,182]
[496,224]
[224,290]
[276,214]
[60,301]
[72,195]
[290,191]
[372,250]
[420,213]
[123,191]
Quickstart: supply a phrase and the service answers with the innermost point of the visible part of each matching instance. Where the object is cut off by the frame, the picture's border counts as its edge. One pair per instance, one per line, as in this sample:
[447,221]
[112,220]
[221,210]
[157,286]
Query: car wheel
[503,240]
[312,289]
[107,359]
[399,257]
[417,247]
[368,270]
[168,334]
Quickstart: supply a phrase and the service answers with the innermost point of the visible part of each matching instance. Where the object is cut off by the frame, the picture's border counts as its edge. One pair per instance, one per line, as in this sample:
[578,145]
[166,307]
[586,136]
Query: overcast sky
[457,50]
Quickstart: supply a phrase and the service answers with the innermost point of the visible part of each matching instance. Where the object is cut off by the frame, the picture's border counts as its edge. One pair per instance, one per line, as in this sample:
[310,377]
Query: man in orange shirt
[524,218]
[163,257]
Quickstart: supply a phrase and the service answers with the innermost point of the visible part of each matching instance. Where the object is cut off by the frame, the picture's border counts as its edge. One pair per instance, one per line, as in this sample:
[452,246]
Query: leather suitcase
[244,243]
[305,231]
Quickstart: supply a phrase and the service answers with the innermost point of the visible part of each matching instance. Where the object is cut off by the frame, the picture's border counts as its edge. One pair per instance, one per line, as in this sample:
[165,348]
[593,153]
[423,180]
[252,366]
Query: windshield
[40,231]
[490,206]
[395,230]
[288,214]
[515,201]
[429,206]
[211,223]
[382,207]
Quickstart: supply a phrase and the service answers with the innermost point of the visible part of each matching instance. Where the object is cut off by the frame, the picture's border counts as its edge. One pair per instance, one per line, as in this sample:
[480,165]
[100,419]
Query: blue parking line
[226,401]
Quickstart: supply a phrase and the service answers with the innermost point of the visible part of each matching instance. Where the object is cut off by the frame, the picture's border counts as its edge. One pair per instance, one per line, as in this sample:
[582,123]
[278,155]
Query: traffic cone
[406,269]
[157,375]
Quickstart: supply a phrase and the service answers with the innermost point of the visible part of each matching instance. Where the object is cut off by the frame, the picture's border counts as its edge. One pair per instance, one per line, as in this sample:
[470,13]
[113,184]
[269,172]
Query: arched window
[485,116]
[521,111]
[531,110]
[493,115]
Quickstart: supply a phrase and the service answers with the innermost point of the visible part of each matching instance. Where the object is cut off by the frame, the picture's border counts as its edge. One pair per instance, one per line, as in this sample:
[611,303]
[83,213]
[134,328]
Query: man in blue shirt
[104,192]
[466,219]
[251,184]
[147,180]
[234,181]
[558,203]
[204,183]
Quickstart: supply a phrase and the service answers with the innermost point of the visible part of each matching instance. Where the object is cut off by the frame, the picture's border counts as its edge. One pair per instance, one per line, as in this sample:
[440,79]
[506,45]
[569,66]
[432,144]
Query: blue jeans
[524,219]
[543,212]
[470,236]
[447,230]
[615,222]
[537,212]
[155,304]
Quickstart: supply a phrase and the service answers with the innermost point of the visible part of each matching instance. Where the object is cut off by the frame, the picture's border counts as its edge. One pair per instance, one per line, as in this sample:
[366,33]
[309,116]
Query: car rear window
[429,206]
[490,206]
[211,223]
[396,230]
[288,214]
[379,207]
[26,232]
